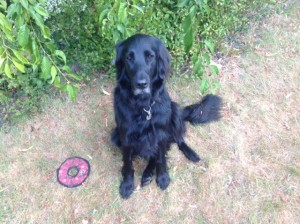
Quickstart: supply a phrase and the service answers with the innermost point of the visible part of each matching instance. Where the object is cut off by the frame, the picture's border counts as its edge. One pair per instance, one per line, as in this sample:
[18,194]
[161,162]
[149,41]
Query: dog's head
[142,60]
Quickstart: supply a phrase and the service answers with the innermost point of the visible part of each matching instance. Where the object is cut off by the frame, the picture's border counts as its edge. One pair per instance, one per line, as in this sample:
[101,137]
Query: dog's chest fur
[145,135]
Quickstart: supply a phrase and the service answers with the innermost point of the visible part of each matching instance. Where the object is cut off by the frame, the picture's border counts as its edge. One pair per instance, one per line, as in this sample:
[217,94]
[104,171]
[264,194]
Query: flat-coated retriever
[148,121]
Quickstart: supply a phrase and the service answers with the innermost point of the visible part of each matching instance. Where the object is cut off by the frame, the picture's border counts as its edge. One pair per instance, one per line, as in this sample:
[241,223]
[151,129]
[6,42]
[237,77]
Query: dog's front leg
[127,185]
[162,175]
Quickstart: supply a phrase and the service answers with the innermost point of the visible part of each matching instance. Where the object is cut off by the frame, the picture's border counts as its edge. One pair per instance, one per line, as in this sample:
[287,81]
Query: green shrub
[88,30]
[38,35]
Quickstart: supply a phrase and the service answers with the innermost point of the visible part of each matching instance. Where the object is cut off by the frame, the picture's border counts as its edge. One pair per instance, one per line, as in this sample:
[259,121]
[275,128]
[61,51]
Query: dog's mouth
[143,91]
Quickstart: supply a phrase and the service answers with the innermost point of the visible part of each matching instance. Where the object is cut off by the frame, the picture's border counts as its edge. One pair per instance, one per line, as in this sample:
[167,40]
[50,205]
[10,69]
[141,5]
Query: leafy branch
[26,47]
[201,60]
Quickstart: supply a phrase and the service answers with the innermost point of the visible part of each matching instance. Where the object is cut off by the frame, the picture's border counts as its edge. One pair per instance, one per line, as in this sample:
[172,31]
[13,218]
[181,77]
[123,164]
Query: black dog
[147,120]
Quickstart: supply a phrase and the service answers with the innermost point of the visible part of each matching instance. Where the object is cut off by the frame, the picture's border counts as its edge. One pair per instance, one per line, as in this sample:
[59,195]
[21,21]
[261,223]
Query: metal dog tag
[149,114]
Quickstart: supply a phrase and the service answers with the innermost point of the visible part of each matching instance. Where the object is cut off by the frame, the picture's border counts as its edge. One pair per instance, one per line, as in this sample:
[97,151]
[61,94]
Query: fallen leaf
[105,92]
[25,150]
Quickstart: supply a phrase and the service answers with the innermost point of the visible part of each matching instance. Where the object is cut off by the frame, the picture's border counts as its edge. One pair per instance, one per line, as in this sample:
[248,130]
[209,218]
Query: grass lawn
[250,172]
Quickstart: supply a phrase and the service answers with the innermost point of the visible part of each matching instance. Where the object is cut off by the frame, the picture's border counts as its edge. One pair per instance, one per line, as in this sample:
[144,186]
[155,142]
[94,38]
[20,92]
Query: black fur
[143,64]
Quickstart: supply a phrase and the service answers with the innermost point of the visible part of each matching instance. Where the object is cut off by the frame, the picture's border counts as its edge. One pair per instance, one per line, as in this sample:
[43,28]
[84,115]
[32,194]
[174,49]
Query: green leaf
[57,83]
[138,8]
[198,68]
[50,47]
[116,36]
[40,10]
[40,22]
[117,4]
[12,9]
[3,5]
[19,21]
[23,36]
[36,17]
[46,32]
[102,15]
[188,33]
[5,23]
[217,85]
[7,70]
[75,76]
[192,12]
[71,92]
[46,68]
[182,3]
[61,54]
[121,28]
[36,52]
[53,73]
[204,86]
[76,85]
[8,34]
[66,68]
[202,3]
[206,58]
[1,61]
[20,57]
[195,57]
[122,13]
[214,69]
[18,65]
[210,46]
[24,3]
[27,17]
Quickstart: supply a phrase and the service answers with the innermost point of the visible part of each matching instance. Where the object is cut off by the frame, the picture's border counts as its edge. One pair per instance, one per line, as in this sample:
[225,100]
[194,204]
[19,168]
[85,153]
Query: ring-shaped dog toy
[73,172]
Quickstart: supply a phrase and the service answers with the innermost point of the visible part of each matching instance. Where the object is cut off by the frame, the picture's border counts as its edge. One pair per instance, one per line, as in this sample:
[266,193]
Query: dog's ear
[118,60]
[163,60]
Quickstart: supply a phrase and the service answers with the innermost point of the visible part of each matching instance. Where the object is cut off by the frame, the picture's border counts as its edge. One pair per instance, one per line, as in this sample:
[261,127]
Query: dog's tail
[207,110]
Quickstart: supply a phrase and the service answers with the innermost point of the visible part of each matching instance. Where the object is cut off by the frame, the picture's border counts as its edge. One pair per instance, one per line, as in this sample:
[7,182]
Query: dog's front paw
[146,179]
[163,180]
[126,188]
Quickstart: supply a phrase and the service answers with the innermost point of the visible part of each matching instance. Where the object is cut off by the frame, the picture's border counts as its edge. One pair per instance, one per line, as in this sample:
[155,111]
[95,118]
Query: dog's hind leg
[148,172]
[189,153]
[177,131]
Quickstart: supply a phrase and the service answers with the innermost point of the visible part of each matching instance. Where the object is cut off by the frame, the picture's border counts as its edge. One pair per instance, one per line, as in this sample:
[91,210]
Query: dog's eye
[130,57]
[149,55]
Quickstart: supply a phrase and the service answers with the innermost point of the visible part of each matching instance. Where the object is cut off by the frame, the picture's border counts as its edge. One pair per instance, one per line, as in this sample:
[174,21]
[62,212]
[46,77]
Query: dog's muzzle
[141,86]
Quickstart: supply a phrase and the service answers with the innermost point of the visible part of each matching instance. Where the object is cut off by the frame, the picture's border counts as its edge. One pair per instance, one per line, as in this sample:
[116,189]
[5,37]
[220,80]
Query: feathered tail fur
[207,110]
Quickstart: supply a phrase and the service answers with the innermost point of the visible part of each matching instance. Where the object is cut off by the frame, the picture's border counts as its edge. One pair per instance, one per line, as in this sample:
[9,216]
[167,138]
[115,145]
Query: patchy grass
[250,169]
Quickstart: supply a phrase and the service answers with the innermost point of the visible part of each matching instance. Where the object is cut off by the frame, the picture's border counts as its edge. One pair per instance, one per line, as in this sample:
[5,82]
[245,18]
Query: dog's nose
[142,83]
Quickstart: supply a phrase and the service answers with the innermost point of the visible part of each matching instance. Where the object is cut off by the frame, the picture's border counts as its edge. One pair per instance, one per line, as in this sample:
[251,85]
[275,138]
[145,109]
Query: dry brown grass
[251,159]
